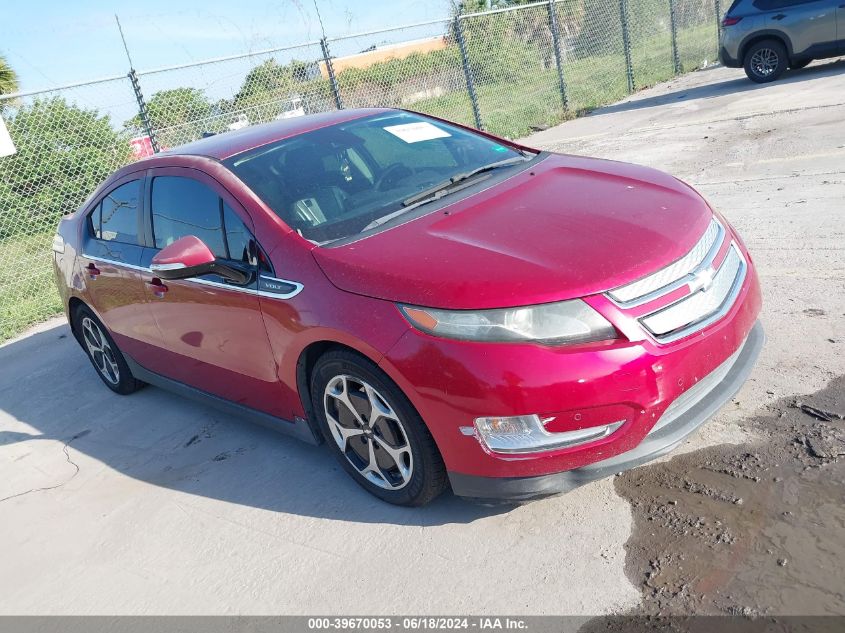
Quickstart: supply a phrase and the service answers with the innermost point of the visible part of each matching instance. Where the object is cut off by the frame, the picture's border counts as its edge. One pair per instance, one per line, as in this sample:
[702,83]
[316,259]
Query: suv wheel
[103,353]
[765,61]
[374,431]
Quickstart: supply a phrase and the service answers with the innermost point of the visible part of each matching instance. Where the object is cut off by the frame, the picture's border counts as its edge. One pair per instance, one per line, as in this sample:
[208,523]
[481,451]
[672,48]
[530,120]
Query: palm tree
[8,78]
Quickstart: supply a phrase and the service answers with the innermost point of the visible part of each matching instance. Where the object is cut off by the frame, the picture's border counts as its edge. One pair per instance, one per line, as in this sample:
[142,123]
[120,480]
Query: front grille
[712,290]
[674,275]
[703,307]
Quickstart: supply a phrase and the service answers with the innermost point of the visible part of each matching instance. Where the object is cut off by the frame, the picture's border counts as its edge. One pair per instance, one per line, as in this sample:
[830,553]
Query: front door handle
[779,16]
[158,288]
[93,271]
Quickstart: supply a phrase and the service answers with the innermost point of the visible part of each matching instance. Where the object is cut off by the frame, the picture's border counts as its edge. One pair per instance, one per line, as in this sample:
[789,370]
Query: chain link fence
[510,71]
[67,140]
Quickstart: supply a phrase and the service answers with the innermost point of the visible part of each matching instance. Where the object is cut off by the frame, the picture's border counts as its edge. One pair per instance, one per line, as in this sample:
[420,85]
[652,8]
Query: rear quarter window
[115,218]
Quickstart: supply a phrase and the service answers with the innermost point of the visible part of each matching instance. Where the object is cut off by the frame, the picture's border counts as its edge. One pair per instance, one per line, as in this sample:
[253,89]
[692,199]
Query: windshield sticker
[499,148]
[416,132]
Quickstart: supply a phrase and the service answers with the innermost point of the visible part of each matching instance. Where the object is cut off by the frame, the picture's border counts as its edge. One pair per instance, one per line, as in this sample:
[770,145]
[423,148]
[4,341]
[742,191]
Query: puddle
[757,529]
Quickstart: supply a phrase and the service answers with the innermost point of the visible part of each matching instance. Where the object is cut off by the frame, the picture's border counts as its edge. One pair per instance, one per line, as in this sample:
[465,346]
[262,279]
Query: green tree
[269,82]
[8,78]
[63,153]
[178,107]
[177,116]
[268,88]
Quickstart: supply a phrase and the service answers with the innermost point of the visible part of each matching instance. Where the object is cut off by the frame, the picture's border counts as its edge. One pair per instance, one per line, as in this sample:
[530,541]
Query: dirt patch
[747,530]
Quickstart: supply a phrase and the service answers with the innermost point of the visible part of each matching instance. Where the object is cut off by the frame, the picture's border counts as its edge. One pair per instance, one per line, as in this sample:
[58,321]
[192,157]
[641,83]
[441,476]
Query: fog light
[527,434]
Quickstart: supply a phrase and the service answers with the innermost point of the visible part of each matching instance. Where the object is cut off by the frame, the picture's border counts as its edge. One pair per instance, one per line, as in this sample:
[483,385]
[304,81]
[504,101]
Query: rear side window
[115,219]
[183,206]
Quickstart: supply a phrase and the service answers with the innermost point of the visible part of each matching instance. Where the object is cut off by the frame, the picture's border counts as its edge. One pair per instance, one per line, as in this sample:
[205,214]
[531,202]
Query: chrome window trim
[699,324]
[298,287]
[114,262]
[680,282]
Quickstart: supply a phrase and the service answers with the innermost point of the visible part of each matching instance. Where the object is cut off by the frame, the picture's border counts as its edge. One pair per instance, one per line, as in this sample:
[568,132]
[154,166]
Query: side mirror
[190,257]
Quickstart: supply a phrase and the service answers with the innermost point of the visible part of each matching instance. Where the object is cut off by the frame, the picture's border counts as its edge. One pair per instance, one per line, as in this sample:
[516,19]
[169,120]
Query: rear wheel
[103,353]
[374,431]
[765,61]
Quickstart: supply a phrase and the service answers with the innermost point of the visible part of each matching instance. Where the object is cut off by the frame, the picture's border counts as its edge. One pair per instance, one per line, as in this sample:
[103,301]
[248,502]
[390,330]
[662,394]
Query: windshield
[346,179]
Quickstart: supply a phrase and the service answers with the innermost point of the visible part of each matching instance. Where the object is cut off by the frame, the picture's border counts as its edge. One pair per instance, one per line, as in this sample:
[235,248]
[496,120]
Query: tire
[800,63]
[103,352]
[765,61]
[391,455]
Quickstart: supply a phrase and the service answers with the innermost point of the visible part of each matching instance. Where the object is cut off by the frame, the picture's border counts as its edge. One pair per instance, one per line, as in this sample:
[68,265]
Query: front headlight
[559,323]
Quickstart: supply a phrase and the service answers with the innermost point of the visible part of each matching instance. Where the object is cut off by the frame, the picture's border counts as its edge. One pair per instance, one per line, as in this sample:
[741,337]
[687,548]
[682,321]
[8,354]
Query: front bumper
[668,434]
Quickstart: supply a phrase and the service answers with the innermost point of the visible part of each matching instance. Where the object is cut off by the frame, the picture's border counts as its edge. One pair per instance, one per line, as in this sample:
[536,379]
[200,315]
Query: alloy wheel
[368,432]
[100,350]
[764,62]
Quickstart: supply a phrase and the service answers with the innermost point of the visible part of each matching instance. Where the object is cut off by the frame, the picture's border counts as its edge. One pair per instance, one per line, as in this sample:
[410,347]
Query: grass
[512,107]
[517,105]
[27,290]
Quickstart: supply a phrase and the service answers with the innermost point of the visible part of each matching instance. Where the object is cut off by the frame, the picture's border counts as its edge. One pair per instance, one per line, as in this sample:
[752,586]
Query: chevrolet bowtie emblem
[702,280]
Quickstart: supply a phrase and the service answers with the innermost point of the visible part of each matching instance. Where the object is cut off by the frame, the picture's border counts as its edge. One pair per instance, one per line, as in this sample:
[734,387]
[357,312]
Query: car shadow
[722,88]
[49,391]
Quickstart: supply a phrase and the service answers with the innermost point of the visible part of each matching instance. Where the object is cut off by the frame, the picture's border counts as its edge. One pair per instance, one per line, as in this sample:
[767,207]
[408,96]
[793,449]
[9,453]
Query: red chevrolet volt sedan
[443,307]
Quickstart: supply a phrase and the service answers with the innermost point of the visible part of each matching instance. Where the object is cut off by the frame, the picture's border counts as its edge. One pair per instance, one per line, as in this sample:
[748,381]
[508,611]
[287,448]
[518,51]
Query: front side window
[115,218]
[183,206]
[342,180]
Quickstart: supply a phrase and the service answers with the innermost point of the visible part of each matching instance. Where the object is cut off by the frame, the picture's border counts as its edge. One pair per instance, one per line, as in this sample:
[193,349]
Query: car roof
[227,144]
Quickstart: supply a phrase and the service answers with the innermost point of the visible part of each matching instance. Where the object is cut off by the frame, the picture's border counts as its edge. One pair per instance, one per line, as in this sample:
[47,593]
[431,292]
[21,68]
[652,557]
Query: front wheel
[374,431]
[765,61]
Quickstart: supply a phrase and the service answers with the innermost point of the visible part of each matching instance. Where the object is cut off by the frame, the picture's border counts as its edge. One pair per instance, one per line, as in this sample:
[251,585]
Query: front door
[212,333]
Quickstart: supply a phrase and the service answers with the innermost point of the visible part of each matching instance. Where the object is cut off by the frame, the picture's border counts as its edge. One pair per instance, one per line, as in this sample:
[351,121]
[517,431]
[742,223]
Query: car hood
[569,227]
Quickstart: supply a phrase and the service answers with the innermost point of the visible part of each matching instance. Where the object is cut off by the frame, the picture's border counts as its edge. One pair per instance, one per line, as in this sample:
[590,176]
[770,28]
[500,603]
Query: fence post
[143,113]
[338,102]
[558,59]
[676,59]
[626,44]
[473,97]
[718,5]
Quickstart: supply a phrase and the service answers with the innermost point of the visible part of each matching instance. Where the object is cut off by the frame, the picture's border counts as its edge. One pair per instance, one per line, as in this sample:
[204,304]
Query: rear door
[110,260]
[212,334]
[809,24]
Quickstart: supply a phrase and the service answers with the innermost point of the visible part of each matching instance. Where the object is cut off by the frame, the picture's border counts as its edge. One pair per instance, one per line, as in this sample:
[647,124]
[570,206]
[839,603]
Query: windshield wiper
[440,190]
[446,184]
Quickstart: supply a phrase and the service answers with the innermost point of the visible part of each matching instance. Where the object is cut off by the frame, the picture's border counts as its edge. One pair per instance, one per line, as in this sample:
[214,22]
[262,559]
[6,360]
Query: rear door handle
[93,271]
[779,16]
[158,288]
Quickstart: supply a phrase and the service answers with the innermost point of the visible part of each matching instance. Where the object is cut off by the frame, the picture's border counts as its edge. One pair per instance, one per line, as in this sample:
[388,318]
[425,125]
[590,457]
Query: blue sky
[54,42]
